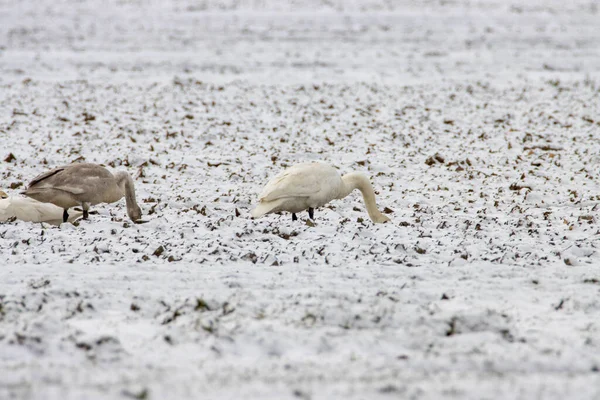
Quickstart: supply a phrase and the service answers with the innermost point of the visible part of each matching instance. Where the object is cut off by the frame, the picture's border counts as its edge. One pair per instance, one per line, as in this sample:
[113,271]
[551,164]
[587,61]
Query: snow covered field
[477,121]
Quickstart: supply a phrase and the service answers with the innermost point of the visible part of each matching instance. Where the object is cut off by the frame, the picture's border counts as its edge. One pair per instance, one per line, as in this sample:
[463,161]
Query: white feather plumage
[30,210]
[311,185]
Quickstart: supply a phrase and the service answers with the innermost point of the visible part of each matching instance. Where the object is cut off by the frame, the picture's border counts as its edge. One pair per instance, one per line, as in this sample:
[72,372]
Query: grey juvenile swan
[84,184]
[311,185]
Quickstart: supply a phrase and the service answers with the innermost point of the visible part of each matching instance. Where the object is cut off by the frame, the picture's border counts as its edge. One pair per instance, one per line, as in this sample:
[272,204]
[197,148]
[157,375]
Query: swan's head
[3,195]
[135,212]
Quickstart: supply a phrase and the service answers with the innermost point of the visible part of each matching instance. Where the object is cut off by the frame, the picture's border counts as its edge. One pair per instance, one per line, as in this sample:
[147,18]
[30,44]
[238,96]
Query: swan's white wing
[27,209]
[16,207]
[4,210]
[293,182]
[30,210]
[303,180]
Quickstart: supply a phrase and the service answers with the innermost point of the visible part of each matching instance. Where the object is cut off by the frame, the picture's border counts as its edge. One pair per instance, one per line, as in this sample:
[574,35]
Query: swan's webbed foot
[86,214]
[311,213]
[65,215]
[294,217]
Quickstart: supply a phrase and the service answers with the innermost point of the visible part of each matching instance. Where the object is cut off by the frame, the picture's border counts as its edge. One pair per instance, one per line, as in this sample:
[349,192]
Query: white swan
[312,185]
[84,184]
[30,210]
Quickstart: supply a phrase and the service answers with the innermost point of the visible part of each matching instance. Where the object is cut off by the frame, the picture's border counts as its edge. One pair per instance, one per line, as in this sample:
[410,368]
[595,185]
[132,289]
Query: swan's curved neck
[356,180]
[125,183]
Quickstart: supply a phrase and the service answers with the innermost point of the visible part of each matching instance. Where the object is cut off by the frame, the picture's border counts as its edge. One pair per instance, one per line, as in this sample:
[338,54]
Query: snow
[478,123]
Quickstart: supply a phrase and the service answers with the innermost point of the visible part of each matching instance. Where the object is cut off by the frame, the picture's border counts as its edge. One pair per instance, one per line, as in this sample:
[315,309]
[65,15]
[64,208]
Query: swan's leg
[311,213]
[294,218]
[65,215]
[86,207]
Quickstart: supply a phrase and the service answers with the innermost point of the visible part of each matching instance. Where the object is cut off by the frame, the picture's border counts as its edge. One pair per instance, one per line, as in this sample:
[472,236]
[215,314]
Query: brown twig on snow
[516,186]
[543,147]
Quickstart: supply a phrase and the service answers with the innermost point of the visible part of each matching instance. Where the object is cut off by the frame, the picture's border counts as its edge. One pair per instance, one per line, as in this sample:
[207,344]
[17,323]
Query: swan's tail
[265,208]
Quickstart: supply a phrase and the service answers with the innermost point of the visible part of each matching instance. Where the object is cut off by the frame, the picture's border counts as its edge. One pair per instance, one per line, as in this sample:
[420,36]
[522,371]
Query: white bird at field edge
[30,210]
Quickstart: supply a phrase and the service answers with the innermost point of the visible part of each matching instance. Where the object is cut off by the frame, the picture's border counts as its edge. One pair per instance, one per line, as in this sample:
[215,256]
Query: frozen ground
[478,122]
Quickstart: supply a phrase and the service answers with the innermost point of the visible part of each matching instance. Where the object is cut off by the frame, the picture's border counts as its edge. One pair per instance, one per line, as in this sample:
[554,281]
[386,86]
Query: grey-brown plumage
[84,184]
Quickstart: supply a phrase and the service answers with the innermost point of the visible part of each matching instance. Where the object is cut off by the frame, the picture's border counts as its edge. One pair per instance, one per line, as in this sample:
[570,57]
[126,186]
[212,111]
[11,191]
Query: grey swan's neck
[125,183]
